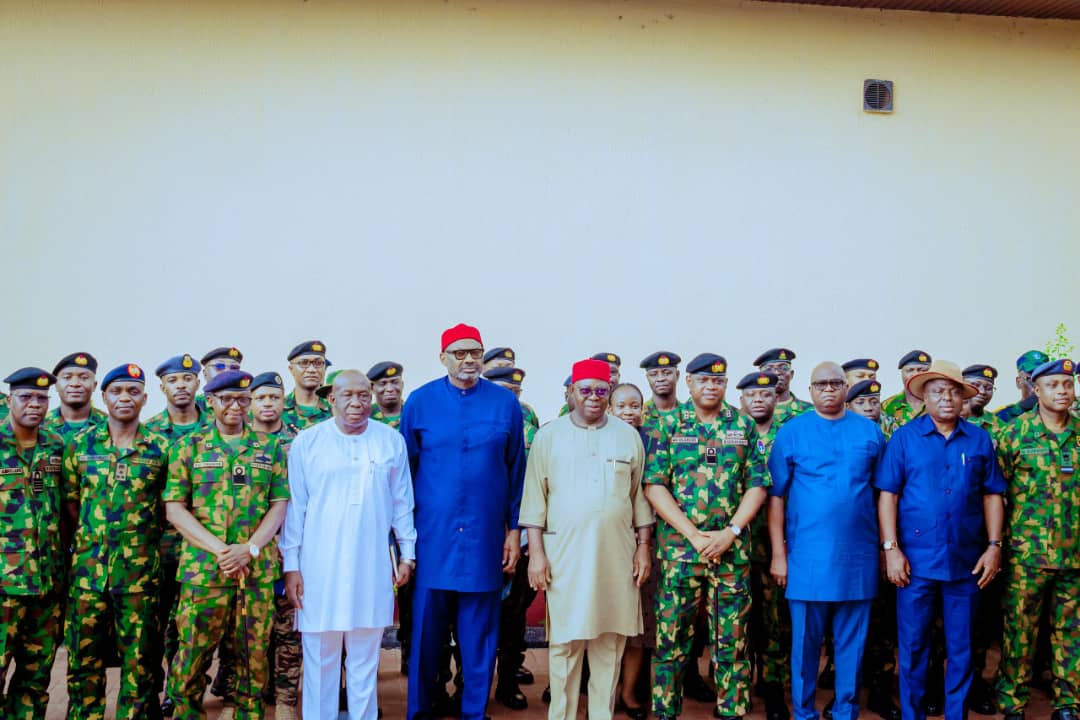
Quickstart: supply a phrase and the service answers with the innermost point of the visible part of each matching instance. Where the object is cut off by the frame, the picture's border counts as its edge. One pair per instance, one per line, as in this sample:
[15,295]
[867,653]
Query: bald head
[828,389]
[351,396]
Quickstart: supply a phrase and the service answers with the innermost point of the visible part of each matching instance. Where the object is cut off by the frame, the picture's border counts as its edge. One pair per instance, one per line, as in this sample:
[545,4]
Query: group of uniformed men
[151,544]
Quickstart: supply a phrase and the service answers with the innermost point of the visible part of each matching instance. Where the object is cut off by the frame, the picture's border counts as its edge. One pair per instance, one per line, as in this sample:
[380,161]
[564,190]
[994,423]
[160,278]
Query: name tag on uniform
[1029,451]
[92,458]
[684,440]
[711,455]
[12,471]
[55,460]
[52,468]
[209,464]
[150,462]
[735,437]
[263,466]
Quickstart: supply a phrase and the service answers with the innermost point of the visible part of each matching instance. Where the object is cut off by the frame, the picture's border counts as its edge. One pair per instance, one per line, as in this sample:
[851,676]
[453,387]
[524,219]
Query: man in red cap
[582,495]
[467,455]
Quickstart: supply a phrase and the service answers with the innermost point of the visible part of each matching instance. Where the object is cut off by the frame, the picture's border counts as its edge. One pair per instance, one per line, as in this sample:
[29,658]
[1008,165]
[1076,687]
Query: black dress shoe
[883,705]
[980,698]
[934,705]
[826,712]
[695,688]
[510,695]
[1015,715]
[775,706]
[716,714]
[523,676]
[1066,713]
[545,697]
[638,713]
[167,707]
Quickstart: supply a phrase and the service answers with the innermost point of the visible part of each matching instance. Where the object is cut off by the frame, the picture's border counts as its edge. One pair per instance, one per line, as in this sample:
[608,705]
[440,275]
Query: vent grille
[877,96]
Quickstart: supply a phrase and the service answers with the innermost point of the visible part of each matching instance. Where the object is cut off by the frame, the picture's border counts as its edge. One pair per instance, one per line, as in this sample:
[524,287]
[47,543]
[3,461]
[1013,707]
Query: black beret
[223,352]
[81,360]
[128,373]
[30,377]
[178,364]
[568,381]
[915,356]
[984,372]
[774,355]
[500,352]
[861,364]
[311,347]
[865,387]
[508,375]
[384,369]
[1064,366]
[661,359]
[328,383]
[707,364]
[608,358]
[758,380]
[268,379]
[229,380]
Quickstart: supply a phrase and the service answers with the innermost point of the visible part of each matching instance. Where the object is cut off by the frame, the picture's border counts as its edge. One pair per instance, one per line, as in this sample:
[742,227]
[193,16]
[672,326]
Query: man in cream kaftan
[351,488]
[582,504]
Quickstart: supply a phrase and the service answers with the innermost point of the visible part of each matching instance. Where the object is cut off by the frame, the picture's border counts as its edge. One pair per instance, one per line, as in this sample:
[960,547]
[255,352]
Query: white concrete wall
[570,176]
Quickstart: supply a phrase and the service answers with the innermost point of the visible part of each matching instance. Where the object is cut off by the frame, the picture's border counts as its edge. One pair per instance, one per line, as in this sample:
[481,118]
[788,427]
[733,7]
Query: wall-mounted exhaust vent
[877,96]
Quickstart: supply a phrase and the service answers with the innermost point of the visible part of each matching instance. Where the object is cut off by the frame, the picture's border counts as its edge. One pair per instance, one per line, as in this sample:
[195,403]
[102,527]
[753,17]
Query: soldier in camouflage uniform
[33,552]
[112,481]
[226,494]
[859,369]
[864,398]
[1040,456]
[770,622]
[286,653]
[3,407]
[983,378]
[1025,364]
[504,357]
[778,362]
[179,376]
[662,373]
[705,476]
[512,626]
[76,380]
[388,387]
[903,406]
[303,406]
[215,362]
[614,362]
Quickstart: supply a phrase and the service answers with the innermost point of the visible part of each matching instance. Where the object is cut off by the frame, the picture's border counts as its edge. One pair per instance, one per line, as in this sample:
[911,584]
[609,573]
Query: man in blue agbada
[941,513]
[824,533]
[467,454]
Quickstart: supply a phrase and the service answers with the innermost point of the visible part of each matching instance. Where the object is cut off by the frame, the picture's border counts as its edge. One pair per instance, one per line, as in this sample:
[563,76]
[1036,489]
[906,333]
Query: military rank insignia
[710,456]
[37,482]
[239,475]
[121,472]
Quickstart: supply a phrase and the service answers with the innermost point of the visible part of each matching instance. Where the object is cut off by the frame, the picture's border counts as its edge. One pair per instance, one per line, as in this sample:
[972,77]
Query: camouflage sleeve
[69,479]
[781,465]
[993,480]
[1006,452]
[755,471]
[178,484]
[279,485]
[658,470]
[643,512]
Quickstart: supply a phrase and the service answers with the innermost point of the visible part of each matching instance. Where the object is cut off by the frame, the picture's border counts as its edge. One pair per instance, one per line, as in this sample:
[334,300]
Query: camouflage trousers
[1027,590]
[94,618]
[770,628]
[166,640]
[29,634]
[288,654]
[724,589]
[204,617]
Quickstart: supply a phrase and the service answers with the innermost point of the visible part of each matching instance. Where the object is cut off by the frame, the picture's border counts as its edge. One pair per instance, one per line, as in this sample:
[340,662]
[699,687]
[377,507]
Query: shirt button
[461,529]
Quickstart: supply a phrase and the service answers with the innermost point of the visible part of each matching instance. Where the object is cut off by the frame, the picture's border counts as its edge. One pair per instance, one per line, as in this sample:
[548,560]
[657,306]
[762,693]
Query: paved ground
[392,686]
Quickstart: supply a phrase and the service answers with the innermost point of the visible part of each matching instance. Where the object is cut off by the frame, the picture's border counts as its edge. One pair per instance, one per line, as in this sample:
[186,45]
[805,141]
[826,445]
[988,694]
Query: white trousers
[564,671]
[322,673]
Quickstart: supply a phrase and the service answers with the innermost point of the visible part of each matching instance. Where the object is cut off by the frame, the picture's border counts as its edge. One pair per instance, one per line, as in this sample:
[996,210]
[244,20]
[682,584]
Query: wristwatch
[253,549]
[889,545]
[735,529]
[995,543]
[411,563]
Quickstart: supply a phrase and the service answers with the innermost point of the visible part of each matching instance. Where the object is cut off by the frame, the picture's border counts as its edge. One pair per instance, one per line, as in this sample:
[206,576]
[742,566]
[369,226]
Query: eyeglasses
[238,400]
[776,367]
[476,354]
[26,398]
[222,367]
[309,363]
[598,392]
[823,385]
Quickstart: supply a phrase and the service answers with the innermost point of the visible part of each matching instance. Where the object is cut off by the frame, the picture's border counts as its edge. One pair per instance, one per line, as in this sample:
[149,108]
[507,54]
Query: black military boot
[880,698]
[775,705]
[981,698]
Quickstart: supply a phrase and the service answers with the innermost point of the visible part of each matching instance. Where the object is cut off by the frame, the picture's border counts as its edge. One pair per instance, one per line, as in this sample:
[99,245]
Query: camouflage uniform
[55,422]
[787,410]
[31,571]
[770,622]
[1008,413]
[709,493]
[303,417]
[4,411]
[1043,545]
[529,415]
[116,569]
[651,416]
[169,588]
[229,489]
[898,409]
[378,415]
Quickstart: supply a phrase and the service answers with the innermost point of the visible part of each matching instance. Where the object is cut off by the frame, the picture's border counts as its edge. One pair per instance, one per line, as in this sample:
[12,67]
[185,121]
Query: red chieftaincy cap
[460,331]
[590,370]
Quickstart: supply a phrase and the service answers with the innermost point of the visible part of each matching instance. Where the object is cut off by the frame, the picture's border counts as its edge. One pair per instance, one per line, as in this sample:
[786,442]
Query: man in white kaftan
[583,505]
[350,489]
